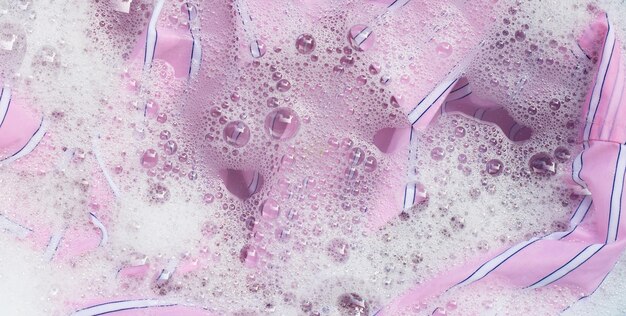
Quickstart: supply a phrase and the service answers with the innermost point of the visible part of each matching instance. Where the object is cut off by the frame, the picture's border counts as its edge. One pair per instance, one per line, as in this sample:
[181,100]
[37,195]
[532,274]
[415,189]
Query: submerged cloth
[579,257]
[582,256]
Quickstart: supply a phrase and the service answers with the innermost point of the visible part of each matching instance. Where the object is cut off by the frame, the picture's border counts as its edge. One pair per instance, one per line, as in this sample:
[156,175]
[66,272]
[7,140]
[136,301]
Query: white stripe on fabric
[111,307]
[254,183]
[613,226]
[480,113]
[607,53]
[168,271]
[514,130]
[103,230]
[242,9]
[5,102]
[105,171]
[619,102]
[456,94]
[152,35]
[594,101]
[397,4]
[255,50]
[570,266]
[248,27]
[578,216]
[459,92]
[30,145]
[615,99]
[53,245]
[196,48]
[445,85]
[409,194]
[616,196]
[426,103]
[13,227]
[577,167]
[362,35]
[489,266]
[492,264]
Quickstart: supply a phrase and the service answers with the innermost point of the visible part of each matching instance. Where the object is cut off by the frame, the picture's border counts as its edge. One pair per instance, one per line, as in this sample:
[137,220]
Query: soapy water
[242,157]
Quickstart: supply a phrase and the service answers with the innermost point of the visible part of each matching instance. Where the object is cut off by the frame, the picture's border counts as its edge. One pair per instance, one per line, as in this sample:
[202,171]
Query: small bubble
[305,44]
[444,49]
[437,153]
[236,133]
[374,69]
[282,123]
[283,85]
[543,164]
[494,167]
[338,250]
[270,209]
[562,154]
[149,158]
[555,104]
[170,147]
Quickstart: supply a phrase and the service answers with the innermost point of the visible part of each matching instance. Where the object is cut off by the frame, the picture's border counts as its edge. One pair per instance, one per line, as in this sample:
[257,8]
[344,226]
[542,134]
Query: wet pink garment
[580,257]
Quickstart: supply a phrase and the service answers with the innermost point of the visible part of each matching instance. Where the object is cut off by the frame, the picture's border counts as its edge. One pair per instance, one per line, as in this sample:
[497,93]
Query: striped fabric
[581,256]
[20,130]
[143,306]
[462,101]
[182,49]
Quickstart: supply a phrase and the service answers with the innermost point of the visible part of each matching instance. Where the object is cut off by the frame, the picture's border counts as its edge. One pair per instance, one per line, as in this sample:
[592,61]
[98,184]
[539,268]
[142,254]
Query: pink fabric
[581,257]
[539,258]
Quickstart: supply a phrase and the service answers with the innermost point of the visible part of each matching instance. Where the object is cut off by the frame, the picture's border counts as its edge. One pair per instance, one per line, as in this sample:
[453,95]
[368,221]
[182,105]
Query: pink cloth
[578,258]
[582,256]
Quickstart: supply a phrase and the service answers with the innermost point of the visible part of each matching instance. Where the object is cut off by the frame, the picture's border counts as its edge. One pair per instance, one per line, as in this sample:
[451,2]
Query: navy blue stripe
[621,194]
[145,51]
[193,44]
[459,88]
[28,142]
[603,80]
[619,153]
[581,166]
[594,290]
[391,5]
[513,254]
[7,112]
[511,129]
[404,199]
[18,224]
[366,37]
[428,108]
[579,205]
[619,210]
[467,94]
[107,303]
[587,211]
[133,308]
[156,40]
[582,50]
[576,267]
